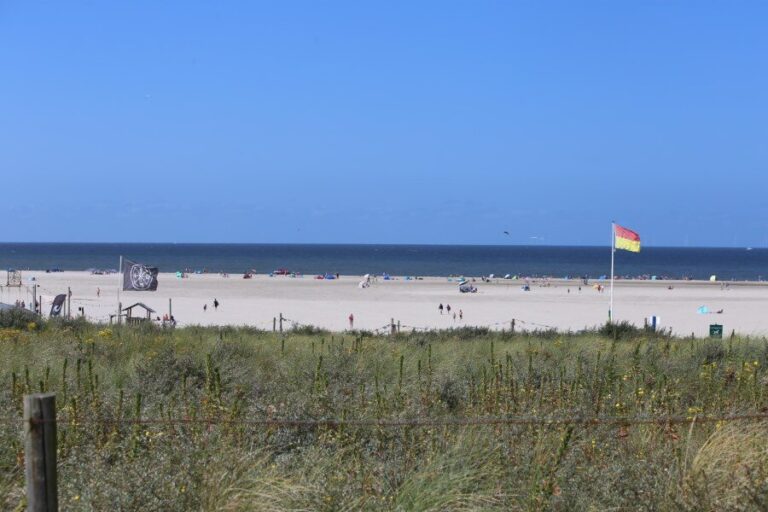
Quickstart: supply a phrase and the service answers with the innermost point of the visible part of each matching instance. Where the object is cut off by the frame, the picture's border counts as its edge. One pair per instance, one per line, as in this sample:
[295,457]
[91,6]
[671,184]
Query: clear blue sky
[384,122]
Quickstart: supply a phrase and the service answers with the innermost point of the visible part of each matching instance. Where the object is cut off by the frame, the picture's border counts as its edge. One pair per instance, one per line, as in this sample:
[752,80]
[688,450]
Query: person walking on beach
[448,308]
[461,315]
[440,308]
[205,308]
[98,292]
[351,321]
[216,304]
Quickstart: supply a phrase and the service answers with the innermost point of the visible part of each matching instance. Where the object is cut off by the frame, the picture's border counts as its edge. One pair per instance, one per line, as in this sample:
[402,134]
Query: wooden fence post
[274,323]
[281,322]
[512,326]
[392,326]
[40,452]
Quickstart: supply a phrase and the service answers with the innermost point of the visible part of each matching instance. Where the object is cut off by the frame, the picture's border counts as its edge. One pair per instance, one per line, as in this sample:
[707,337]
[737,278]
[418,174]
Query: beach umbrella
[713,278]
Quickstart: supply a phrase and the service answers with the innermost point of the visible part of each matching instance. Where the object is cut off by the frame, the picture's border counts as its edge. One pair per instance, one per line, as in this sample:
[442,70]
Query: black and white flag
[139,277]
[58,304]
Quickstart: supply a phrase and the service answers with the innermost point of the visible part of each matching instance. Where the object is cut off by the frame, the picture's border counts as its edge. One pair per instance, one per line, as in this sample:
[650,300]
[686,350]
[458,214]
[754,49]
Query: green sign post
[715,331]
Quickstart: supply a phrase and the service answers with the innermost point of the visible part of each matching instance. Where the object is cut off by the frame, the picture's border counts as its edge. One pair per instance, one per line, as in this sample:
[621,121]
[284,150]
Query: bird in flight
[506,233]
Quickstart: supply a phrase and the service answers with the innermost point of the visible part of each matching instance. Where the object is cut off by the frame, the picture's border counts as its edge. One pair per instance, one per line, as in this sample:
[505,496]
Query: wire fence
[418,422]
[397,327]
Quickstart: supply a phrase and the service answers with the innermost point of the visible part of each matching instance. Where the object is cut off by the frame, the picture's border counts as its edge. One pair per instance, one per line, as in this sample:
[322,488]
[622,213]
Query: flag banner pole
[613,254]
[119,285]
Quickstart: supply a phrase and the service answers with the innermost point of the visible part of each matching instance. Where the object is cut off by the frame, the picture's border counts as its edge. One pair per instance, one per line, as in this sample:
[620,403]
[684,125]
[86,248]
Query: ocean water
[416,260]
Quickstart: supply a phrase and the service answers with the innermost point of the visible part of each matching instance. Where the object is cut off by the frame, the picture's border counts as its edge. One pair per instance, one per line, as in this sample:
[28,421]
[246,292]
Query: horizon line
[381,244]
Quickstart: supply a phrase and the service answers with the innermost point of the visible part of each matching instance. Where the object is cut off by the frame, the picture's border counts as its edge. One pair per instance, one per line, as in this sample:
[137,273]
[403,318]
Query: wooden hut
[131,319]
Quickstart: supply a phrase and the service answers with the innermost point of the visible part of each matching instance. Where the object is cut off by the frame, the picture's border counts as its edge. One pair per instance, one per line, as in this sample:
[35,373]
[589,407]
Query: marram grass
[121,391]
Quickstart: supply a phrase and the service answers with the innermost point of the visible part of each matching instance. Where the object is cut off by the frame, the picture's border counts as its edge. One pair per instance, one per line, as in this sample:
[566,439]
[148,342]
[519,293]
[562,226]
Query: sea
[409,260]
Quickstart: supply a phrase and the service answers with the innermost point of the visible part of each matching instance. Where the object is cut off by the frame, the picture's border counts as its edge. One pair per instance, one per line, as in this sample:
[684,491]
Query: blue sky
[384,122]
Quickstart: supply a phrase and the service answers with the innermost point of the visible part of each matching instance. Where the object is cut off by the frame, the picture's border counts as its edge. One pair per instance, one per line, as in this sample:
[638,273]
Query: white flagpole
[613,252]
[119,285]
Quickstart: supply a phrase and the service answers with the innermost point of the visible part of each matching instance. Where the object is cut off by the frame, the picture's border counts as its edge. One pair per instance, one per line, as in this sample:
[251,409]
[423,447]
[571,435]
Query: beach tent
[713,278]
[703,310]
[330,276]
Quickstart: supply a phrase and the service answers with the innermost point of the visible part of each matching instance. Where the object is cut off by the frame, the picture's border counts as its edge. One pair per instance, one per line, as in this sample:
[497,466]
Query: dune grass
[115,386]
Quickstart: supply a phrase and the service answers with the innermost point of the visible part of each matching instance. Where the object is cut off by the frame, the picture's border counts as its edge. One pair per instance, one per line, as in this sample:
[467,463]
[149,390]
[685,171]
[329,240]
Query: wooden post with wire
[281,322]
[40,452]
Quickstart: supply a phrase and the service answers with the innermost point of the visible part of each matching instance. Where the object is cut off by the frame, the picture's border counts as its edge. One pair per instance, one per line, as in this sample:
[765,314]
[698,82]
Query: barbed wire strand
[416,422]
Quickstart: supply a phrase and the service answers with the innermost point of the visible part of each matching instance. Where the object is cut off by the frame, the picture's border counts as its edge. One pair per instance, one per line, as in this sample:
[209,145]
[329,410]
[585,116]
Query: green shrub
[17,318]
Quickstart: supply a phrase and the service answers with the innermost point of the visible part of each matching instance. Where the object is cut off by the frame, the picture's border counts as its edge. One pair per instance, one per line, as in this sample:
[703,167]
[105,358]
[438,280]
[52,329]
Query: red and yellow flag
[626,239]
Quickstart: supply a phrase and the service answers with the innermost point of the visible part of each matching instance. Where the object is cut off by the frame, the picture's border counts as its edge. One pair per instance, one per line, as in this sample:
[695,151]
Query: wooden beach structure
[131,319]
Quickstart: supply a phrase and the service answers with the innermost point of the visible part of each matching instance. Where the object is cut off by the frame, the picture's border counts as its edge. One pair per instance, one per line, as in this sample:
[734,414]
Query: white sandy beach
[328,304]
